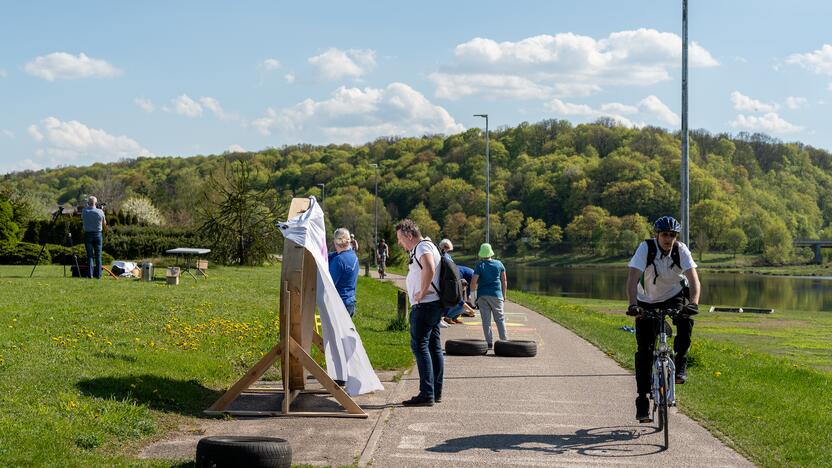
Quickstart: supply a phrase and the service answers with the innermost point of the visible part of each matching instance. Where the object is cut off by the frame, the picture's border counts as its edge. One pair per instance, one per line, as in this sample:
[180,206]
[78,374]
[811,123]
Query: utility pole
[323,193]
[487,183]
[685,186]
[375,218]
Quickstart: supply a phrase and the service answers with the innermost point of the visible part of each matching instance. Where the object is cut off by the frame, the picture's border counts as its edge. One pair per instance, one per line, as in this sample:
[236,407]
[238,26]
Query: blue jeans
[427,347]
[92,242]
[350,309]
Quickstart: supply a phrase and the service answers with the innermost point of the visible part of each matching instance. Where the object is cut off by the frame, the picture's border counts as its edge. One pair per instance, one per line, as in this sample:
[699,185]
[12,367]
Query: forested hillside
[554,186]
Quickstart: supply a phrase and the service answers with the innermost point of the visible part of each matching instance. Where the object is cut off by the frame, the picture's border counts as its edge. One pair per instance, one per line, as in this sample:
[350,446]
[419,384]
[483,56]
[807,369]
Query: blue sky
[85,82]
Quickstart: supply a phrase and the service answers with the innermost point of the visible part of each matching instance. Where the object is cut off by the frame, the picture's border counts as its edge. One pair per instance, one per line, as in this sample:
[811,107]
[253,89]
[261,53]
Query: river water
[727,289]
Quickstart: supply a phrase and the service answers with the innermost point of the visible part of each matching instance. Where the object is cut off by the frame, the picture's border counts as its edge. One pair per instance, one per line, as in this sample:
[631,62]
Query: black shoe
[340,383]
[681,369]
[643,410]
[418,400]
[437,398]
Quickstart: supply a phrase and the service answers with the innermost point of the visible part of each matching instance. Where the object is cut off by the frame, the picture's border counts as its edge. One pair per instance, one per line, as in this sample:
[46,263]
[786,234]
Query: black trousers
[646,332]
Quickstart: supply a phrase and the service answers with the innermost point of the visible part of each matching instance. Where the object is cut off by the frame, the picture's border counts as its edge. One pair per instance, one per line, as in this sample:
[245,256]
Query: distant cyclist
[382,252]
[656,280]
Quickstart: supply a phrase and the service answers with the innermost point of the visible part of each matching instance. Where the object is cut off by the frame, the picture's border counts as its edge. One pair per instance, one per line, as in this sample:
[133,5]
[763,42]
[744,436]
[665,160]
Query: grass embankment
[90,371]
[762,383]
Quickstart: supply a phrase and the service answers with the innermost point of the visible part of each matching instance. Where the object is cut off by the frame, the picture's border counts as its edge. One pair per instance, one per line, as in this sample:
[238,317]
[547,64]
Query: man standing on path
[94,222]
[654,282]
[343,268]
[425,314]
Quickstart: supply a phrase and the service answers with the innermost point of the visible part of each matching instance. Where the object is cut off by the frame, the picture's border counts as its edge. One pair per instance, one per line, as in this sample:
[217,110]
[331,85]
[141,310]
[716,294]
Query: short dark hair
[408,226]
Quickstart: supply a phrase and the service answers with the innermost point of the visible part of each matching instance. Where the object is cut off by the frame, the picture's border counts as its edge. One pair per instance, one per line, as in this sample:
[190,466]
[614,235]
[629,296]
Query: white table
[186,252]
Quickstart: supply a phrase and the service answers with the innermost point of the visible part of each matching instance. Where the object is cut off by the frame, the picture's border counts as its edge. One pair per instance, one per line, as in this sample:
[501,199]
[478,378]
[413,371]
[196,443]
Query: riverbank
[90,371]
[715,262]
[761,383]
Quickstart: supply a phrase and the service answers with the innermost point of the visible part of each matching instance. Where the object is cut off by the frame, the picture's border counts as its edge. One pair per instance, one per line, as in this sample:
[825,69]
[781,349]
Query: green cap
[486,251]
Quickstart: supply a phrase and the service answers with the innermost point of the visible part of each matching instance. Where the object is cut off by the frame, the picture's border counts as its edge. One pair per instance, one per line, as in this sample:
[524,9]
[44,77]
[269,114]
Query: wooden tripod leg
[249,378]
[318,341]
[110,272]
[340,395]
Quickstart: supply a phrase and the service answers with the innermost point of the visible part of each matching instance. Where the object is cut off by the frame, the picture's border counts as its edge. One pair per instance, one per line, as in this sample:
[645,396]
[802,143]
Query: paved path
[570,405]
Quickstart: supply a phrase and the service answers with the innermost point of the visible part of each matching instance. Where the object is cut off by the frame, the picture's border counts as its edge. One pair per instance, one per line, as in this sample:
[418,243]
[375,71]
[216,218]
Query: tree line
[555,187]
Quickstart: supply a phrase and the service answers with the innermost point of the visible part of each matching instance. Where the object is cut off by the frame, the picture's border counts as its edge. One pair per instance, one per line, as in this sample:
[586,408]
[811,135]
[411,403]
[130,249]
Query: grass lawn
[92,370]
[761,383]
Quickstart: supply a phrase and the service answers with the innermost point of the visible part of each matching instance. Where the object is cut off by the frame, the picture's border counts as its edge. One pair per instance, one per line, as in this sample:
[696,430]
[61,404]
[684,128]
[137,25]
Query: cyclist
[382,253]
[656,280]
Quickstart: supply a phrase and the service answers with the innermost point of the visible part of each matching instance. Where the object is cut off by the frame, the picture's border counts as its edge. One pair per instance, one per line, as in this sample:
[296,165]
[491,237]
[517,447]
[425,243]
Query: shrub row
[26,253]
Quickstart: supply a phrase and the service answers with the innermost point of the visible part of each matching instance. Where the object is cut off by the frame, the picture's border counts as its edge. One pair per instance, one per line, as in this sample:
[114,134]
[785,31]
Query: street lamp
[685,185]
[323,192]
[375,217]
[487,182]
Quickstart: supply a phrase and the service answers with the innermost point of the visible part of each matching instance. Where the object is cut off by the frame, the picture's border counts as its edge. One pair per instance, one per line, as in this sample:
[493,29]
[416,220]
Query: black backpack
[652,251]
[450,287]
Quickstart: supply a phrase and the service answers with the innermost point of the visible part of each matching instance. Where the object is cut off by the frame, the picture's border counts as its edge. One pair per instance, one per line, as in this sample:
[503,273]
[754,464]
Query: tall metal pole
[487,183]
[685,187]
[375,219]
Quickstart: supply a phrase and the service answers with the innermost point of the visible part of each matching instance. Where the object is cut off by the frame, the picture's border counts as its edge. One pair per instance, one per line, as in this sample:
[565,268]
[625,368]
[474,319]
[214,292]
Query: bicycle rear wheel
[664,423]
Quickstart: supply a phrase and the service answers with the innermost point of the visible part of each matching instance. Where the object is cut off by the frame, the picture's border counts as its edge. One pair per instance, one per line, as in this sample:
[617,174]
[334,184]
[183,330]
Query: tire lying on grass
[239,451]
[515,348]
[466,347]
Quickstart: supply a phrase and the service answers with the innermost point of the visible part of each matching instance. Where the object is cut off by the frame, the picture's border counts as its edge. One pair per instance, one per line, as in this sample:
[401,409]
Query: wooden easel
[297,335]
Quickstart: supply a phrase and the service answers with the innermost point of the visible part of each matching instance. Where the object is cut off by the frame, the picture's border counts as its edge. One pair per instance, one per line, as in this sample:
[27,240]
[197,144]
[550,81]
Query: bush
[23,253]
[136,242]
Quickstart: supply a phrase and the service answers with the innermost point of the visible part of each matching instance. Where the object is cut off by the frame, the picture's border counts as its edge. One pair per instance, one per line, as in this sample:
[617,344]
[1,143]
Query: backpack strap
[674,256]
[413,257]
[652,250]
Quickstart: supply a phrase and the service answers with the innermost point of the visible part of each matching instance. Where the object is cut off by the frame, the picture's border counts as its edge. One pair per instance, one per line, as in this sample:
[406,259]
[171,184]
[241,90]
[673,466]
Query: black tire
[243,451]
[515,348]
[466,347]
[664,404]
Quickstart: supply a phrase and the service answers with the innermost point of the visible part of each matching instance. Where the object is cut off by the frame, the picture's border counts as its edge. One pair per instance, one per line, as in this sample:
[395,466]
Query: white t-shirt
[668,283]
[414,272]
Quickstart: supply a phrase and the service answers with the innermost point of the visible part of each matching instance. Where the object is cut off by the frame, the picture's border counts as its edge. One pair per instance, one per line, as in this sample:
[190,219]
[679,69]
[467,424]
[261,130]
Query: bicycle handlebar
[661,313]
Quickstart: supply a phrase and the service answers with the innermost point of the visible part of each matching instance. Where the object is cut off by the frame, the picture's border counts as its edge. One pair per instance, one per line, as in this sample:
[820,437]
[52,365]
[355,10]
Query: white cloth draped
[346,358]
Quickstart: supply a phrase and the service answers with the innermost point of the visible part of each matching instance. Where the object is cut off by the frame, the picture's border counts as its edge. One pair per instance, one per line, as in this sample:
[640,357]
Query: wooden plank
[318,341]
[246,380]
[309,296]
[340,395]
[319,414]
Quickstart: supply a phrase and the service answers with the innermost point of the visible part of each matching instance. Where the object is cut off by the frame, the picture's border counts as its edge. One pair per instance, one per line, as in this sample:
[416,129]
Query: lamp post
[323,192]
[685,182]
[375,217]
[487,182]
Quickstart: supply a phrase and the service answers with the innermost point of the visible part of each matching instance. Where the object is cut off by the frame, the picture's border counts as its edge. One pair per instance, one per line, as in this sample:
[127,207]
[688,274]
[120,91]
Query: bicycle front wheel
[664,424]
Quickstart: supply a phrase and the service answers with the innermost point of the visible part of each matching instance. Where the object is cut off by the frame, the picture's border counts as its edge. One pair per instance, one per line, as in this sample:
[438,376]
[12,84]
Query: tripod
[55,217]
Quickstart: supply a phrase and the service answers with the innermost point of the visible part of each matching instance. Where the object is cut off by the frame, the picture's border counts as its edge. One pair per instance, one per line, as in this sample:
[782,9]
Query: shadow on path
[160,393]
[613,442]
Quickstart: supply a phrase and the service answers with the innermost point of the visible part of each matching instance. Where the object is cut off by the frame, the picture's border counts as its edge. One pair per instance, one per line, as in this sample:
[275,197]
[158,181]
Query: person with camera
[662,275]
[94,222]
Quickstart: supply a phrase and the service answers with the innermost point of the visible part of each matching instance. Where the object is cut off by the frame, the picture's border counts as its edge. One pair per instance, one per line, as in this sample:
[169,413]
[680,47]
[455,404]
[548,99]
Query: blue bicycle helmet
[667,224]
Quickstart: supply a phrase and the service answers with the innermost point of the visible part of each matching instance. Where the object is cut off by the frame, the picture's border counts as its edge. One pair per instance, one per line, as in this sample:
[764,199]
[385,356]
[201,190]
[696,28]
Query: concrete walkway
[570,405]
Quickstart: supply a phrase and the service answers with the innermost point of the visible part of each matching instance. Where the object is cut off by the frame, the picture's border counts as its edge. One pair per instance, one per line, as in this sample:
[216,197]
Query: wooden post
[298,296]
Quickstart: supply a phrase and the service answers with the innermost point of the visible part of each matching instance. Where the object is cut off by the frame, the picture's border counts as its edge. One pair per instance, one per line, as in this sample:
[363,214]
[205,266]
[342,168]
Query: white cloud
[144,104]
[654,106]
[64,66]
[356,115]
[184,105]
[3,73]
[795,102]
[829,87]
[74,142]
[553,64]
[22,165]
[214,106]
[235,148]
[335,64]
[290,78]
[768,123]
[818,61]
[561,108]
[269,64]
[744,103]
[618,108]
[8,133]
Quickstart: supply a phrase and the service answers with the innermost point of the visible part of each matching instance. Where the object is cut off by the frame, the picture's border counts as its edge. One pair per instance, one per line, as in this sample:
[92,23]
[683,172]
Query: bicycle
[382,267]
[663,391]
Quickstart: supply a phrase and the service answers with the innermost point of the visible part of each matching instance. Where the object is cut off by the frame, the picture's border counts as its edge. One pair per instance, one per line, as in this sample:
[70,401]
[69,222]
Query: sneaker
[447,320]
[681,370]
[456,320]
[490,346]
[437,398]
[643,410]
[443,324]
[418,400]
